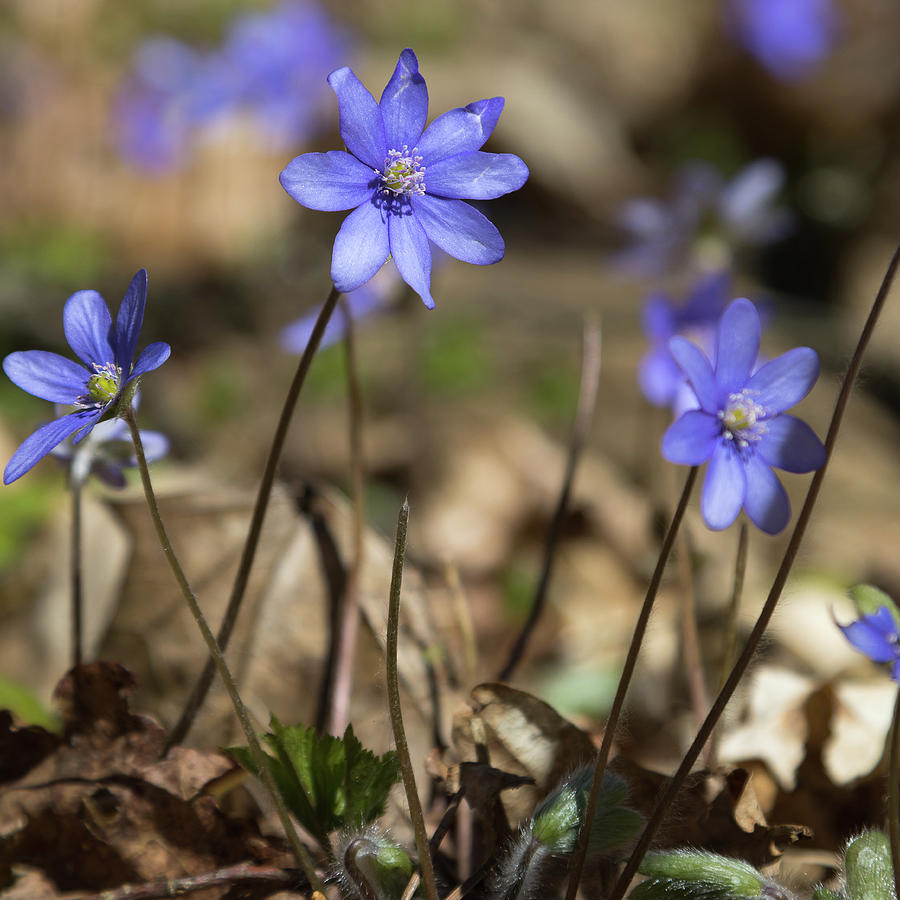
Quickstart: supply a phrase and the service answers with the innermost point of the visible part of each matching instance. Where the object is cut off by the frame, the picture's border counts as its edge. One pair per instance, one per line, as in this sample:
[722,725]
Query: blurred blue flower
[94,386]
[705,221]
[876,636]
[268,68]
[398,208]
[789,38]
[740,426]
[659,376]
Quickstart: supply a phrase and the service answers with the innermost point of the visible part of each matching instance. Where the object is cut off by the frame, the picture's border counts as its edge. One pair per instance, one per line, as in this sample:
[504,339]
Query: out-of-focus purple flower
[106,451]
[659,376]
[374,296]
[705,221]
[95,385]
[740,426]
[269,68]
[876,636]
[406,183]
[789,38]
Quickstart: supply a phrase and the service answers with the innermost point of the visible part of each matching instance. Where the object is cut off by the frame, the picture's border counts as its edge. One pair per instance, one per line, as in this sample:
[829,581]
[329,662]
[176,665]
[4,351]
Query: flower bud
[867,863]
[370,866]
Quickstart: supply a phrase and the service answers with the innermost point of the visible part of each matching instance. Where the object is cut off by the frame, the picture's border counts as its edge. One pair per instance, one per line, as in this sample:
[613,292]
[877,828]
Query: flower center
[742,419]
[103,385]
[403,172]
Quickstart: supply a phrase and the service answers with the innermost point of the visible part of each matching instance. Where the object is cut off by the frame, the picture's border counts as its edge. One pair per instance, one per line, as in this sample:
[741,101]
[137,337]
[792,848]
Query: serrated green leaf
[369,780]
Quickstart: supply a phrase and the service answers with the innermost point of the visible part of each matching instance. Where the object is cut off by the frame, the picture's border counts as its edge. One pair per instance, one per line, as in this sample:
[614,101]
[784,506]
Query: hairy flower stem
[584,417]
[740,667]
[198,695]
[624,681]
[393,690]
[348,622]
[259,757]
[75,574]
[894,795]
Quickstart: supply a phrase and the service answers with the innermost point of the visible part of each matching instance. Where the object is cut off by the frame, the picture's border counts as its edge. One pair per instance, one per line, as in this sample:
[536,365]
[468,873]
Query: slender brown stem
[75,571]
[740,667]
[393,690]
[624,681]
[894,795]
[259,757]
[198,695]
[349,618]
[584,416]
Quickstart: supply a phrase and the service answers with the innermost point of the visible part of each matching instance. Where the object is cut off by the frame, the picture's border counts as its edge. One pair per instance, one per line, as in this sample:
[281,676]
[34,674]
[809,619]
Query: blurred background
[151,133]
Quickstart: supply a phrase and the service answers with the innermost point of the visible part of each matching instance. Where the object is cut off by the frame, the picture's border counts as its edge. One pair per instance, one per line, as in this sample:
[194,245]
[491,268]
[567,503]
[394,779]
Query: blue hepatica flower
[876,636]
[789,38]
[740,427]
[706,219]
[405,183]
[93,386]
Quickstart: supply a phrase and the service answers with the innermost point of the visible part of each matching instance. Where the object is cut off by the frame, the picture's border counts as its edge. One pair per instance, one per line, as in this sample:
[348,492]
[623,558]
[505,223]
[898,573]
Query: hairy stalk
[393,689]
[198,695]
[624,681]
[762,622]
[216,654]
[584,416]
[75,574]
[348,623]
[894,795]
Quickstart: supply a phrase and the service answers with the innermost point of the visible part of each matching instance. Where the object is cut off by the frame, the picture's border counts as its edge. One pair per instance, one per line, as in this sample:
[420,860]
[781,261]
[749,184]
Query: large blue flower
[95,385]
[405,183]
[740,427]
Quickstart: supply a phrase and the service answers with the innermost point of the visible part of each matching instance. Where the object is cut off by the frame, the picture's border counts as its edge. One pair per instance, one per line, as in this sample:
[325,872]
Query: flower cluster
[268,69]
[107,372]
[740,426]
[404,182]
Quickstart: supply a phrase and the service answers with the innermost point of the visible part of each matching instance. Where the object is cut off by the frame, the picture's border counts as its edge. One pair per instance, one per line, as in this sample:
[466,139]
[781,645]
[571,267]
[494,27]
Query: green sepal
[699,873]
[870,599]
[373,858]
[868,869]
[824,893]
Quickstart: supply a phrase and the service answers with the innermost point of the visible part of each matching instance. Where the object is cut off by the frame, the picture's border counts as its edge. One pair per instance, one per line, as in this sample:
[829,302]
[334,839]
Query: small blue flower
[740,426]
[94,386]
[789,38]
[876,636]
[405,183]
[705,221]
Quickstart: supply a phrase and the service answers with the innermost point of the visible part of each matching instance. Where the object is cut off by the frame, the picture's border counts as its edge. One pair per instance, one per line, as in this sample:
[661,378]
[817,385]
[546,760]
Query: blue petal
[412,254]
[404,103]
[130,318]
[360,248]
[476,176]
[328,181]
[88,327]
[360,118]
[870,638]
[692,439]
[737,346]
[659,376]
[766,502]
[750,191]
[459,130]
[699,372]
[724,488]
[152,357]
[47,375]
[786,380]
[792,445]
[459,230]
[37,445]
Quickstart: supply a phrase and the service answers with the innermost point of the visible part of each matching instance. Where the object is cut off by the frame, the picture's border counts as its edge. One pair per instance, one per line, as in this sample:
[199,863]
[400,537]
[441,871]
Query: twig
[75,570]
[762,622]
[393,689]
[624,680]
[289,879]
[894,795]
[584,416]
[198,695]
[259,758]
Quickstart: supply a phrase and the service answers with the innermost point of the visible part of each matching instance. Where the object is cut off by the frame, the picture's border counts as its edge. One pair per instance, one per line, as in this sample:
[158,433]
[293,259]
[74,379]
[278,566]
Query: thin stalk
[393,690]
[201,688]
[259,757]
[75,574]
[624,681]
[348,626]
[762,622]
[584,416]
[894,795]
